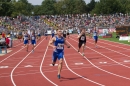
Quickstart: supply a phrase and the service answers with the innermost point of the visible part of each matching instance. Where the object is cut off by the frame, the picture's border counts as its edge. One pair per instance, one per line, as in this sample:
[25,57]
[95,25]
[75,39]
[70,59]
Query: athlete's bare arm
[79,35]
[51,42]
[66,43]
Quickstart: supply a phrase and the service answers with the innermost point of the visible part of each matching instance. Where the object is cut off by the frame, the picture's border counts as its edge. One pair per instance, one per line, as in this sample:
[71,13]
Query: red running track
[107,65]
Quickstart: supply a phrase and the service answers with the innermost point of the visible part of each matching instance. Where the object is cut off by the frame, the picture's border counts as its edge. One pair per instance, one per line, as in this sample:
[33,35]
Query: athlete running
[68,34]
[39,35]
[46,34]
[33,41]
[57,43]
[26,40]
[53,33]
[64,33]
[82,40]
[95,36]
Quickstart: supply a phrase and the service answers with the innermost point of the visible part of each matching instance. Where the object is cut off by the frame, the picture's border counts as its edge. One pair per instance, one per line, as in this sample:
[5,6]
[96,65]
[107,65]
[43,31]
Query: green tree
[107,7]
[48,7]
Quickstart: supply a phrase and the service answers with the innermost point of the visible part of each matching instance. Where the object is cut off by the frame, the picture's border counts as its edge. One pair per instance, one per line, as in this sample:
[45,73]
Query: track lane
[11,62]
[109,75]
[33,60]
[67,77]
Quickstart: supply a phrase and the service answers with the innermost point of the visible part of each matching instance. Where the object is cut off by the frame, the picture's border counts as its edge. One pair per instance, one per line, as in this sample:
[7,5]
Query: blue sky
[38,2]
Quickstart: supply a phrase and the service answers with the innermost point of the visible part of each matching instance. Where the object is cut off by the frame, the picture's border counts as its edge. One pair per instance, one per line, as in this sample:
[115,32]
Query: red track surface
[33,69]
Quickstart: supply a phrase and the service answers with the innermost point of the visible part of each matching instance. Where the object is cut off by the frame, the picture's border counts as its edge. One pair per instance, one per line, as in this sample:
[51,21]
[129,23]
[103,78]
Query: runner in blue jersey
[39,35]
[58,42]
[26,40]
[53,33]
[95,36]
[46,34]
[33,41]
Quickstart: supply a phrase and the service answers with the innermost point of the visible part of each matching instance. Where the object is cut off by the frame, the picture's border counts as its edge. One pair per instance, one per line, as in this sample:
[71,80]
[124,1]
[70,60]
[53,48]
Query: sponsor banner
[124,38]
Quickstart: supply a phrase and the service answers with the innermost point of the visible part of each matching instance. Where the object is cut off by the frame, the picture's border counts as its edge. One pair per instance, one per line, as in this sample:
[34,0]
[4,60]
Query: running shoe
[53,64]
[58,76]
[82,54]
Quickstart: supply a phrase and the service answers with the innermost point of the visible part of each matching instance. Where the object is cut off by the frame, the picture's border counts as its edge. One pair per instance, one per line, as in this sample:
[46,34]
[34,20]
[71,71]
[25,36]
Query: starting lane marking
[126,60]
[1,67]
[78,63]
[55,65]
[28,66]
[102,62]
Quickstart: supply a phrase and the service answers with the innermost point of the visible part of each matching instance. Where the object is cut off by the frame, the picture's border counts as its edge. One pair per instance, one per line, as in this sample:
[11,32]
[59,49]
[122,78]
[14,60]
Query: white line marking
[78,63]
[80,75]
[106,56]
[28,66]
[98,67]
[115,42]
[11,55]
[1,67]
[113,45]
[41,67]
[11,75]
[126,60]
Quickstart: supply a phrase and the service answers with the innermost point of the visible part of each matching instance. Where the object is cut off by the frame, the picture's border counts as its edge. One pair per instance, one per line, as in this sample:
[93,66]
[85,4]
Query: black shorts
[68,34]
[80,44]
[64,35]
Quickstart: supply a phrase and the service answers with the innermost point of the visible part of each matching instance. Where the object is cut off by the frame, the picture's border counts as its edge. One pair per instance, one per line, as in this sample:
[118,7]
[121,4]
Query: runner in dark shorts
[68,34]
[82,41]
[64,34]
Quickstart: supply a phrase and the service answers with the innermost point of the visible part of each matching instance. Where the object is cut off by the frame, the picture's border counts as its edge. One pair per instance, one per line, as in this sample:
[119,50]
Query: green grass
[114,39]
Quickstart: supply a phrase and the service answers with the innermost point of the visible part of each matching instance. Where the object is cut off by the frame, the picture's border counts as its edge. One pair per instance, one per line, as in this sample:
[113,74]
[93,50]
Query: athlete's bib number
[26,38]
[60,46]
[64,32]
[33,38]
[95,34]
[82,38]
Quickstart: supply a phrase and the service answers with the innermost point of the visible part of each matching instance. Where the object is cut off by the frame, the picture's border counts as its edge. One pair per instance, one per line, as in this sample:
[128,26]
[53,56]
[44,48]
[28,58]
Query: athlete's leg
[54,58]
[95,41]
[79,46]
[60,58]
[83,48]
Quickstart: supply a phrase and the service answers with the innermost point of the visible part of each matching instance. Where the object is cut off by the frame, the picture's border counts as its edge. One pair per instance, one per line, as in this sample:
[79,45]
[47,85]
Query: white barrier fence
[124,38]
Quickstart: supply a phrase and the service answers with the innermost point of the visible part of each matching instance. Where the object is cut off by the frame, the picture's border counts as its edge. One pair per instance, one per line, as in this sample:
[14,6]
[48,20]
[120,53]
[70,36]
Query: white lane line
[97,66]
[115,42]
[81,76]
[112,50]
[11,75]
[41,68]
[1,67]
[79,63]
[12,55]
[28,66]
[107,56]
[114,45]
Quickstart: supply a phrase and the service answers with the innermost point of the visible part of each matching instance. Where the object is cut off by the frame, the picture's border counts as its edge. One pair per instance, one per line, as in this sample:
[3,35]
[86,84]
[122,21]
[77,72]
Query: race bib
[26,38]
[60,46]
[82,38]
[94,34]
[33,38]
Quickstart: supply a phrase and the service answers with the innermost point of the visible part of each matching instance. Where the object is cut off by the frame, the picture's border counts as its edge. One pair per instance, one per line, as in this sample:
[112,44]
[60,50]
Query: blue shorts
[46,35]
[33,42]
[95,38]
[58,55]
[39,35]
[26,42]
[53,35]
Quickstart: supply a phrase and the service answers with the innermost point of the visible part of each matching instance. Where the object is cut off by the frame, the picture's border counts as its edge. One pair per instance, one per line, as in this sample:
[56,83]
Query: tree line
[59,7]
